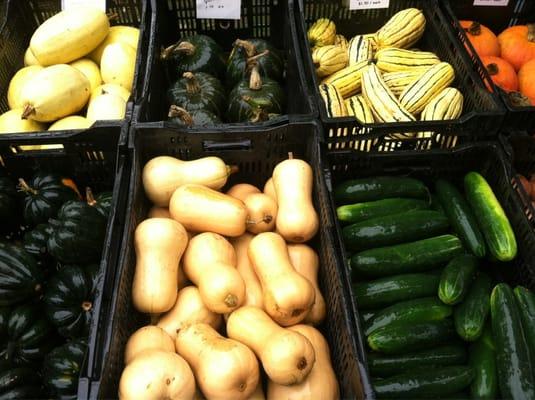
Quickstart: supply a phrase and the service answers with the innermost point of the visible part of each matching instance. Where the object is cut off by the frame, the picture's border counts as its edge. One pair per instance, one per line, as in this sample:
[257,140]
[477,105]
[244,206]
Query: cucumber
[461,217]
[384,365]
[398,339]
[482,359]
[416,256]
[382,187]
[515,373]
[526,305]
[359,212]
[469,316]
[409,312]
[387,291]
[491,218]
[427,384]
[394,229]
[456,279]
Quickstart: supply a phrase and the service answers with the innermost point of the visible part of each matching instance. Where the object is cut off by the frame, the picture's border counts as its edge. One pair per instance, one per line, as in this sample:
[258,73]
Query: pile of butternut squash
[230,285]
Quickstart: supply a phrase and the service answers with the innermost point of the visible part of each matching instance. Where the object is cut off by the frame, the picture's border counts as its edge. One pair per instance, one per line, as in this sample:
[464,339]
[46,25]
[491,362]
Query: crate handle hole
[35,148]
[213,145]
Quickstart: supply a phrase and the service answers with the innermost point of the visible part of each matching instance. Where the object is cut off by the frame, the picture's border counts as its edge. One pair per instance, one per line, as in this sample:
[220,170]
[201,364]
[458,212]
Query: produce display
[228,280]
[77,70]
[527,185]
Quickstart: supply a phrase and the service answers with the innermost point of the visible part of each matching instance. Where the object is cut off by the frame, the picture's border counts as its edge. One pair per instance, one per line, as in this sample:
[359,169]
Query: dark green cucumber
[387,291]
[416,256]
[462,219]
[384,365]
[409,312]
[482,359]
[379,208]
[394,229]
[456,279]
[526,305]
[382,187]
[398,339]
[470,316]
[515,371]
[491,218]
[428,384]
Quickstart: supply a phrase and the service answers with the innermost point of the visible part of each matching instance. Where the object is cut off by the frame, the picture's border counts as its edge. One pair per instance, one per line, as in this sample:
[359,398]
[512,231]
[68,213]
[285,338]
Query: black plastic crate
[496,19]
[23,17]
[266,19]
[482,114]
[256,154]
[487,158]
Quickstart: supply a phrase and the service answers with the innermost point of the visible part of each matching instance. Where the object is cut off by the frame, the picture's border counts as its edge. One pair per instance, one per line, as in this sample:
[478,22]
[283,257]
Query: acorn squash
[78,233]
[35,241]
[178,115]
[19,382]
[102,202]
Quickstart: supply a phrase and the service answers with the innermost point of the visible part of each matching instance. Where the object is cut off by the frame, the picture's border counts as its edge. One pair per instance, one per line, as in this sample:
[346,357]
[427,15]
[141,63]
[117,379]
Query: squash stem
[23,186]
[192,85]
[27,111]
[249,48]
[290,155]
[492,69]
[232,169]
[89,197]
[474,29]
[87,305]
[231,300]
[179,112]
[517,99]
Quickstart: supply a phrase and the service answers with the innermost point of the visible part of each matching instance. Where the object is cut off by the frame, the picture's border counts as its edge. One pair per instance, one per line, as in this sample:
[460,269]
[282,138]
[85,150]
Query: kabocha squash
[501,72]
[261,212]
[402,30]
[253,288]
[526,77]
[21,382]
[35,241]
[329,59]
[321,33]
[199,91]
[224,368]
[78,233]
[102,202]
[147,338]
[69,299]
[287,356]
[16,84]
[517,44]
[180,116]
[483,40]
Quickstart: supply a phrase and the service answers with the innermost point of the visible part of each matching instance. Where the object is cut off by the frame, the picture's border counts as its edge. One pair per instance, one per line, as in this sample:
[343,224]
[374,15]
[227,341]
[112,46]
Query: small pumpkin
[19,382]
[198,91]
[526,78]
[501,72]
[483,40]
[9,204]
[78,233]
[102,202]
[518,44]
[44,195]
[178,115]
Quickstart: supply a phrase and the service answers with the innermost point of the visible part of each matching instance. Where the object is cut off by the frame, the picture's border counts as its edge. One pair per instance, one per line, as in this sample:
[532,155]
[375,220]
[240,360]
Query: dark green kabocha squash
[29,336]
[19,382]
[179,116]
[78,233]
[44,195]
[9,205]
[102,202]
[61,369]
[198,91]
[20,276]
[69,299]
[270,63]
[196,53]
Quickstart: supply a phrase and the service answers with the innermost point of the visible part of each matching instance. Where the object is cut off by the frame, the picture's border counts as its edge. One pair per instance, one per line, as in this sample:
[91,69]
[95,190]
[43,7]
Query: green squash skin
[35,241]
[4,318]
[104,203]
[79,233]
[19,383]
[20,277]
[241,111]
[210,96]
[10,211]
[45,197]
[200,118]
[69,299]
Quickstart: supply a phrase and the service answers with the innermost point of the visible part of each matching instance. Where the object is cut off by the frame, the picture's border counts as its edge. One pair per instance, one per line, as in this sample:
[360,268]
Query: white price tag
[497,3]
[66,4]
[368,4]
[218,9]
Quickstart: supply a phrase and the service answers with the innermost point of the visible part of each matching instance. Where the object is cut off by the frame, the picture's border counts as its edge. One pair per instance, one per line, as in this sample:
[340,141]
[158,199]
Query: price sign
[368,4]
[218,9]
[497,3]
[66,4]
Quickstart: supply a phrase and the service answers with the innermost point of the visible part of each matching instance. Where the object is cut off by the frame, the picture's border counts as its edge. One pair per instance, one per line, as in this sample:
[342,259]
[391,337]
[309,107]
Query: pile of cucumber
[435,325]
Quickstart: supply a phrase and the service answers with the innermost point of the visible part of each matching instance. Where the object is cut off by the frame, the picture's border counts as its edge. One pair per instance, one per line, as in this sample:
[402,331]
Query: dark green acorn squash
[180,116]
[69,299]
[44,195]
[20,277]
[198,91]
[196,53]
[35,241]
[19,382]
[270,65]
[4,318]
[78,233]
[10,211]
[102,202]
[61,369]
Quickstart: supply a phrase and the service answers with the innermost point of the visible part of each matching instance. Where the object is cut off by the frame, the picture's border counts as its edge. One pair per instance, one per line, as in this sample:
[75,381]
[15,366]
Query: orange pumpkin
[518,44]
[483,40]
[526,80]
[502,73]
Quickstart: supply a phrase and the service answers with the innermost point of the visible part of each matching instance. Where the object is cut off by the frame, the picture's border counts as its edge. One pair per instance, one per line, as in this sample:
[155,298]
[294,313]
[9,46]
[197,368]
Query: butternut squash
[106,107]
[269,189]
[288,297]
[90,70]
[253,289]
[29,58]
[159,244]
[11,122]
[297,221]
[69,35]
[111,88]
[16,84]
[261,212]
[163,175]
[118,65]
[71,122]
[210,263]
[147,338]
[287,356]
[155,375]
[224,368]
[201,209]
[321,383]
[119,33]
[159,212]
[241,190]
[306,262]
[188,309]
